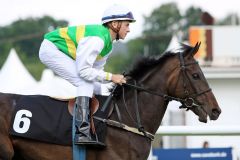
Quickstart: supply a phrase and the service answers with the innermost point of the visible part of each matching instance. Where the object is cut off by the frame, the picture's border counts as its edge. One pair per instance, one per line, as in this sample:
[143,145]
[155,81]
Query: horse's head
[188,83]
[177,76]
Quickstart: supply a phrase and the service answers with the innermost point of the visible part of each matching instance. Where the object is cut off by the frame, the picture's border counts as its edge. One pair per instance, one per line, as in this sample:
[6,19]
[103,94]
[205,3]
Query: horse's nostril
[215,114]
[216,111]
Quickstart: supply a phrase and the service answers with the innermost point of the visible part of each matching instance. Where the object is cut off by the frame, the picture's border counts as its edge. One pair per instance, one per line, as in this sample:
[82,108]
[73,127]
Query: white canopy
[14,76]
[173,44]
[54,86]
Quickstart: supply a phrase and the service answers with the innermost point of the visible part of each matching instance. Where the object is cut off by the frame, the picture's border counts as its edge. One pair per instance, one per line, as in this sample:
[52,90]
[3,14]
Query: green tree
[191,17]
[116,63]
[25,35]
[164,22]
[135,47]
[160,26]
[122,58]
[230,19]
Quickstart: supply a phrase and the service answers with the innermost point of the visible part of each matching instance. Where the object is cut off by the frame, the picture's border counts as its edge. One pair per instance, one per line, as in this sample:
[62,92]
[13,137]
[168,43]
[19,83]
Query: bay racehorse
[141,104]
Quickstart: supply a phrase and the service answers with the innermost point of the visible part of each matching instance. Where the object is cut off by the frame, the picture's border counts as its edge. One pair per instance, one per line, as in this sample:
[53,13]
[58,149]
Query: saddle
[94,106]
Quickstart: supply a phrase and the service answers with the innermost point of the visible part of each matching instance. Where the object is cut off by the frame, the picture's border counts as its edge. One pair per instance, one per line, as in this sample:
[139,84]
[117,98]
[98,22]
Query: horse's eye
[195,76]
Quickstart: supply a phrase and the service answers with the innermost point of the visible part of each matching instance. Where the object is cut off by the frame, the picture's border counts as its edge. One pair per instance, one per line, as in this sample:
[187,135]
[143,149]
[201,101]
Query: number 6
[24,126]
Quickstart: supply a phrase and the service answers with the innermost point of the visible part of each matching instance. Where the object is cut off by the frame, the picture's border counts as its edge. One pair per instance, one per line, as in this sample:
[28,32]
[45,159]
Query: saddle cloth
[47,119]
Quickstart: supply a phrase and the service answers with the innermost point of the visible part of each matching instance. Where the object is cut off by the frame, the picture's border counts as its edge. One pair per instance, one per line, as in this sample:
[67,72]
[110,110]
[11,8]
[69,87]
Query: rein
[188,102]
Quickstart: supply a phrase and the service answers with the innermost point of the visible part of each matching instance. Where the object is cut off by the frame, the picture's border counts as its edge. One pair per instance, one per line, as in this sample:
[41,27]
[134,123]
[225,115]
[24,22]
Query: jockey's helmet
[117,13]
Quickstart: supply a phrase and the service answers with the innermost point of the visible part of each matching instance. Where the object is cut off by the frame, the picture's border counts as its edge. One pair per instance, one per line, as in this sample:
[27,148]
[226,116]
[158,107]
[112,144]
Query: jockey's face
[124,29]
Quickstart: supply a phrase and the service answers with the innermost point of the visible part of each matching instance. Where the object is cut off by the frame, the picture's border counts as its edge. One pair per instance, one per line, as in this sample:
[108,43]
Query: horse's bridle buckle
[189,102]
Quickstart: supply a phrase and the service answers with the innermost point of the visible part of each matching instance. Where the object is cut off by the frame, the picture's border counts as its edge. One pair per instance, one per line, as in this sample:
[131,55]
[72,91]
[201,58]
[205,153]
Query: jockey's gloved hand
[118,79]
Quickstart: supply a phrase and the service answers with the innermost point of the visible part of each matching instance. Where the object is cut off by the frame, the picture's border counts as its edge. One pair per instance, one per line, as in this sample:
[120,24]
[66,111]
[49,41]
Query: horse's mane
[144,64]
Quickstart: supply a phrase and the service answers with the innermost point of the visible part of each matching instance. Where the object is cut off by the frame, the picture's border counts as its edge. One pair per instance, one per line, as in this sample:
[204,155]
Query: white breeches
[66,68]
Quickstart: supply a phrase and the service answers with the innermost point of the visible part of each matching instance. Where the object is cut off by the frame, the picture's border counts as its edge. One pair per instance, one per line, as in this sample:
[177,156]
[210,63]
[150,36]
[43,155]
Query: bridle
[188,102]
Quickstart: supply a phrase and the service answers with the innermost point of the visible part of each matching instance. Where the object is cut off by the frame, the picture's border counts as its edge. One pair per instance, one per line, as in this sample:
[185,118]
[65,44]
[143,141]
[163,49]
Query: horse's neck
[159,77]
[156,105]
[152,107]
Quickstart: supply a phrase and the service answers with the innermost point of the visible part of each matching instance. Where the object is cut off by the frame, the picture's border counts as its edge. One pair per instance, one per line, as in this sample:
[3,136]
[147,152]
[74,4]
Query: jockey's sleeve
[87,51]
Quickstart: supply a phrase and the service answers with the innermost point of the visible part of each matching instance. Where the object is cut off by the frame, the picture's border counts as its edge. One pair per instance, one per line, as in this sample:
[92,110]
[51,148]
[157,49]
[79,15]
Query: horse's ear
[195,49]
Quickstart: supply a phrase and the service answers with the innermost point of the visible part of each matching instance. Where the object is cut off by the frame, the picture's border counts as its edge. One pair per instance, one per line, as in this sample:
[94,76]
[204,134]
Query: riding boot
[82,122]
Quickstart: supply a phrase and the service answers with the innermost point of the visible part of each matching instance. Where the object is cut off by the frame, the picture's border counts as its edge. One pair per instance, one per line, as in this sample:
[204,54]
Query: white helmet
[117,12]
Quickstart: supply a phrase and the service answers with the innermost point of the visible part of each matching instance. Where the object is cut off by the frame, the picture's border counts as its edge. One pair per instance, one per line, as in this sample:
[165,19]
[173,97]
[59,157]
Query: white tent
[173,44]
[14,76]
[55,86]
[50,85]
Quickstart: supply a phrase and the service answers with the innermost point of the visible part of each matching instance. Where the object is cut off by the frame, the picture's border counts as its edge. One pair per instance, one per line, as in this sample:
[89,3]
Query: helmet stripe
[129,16]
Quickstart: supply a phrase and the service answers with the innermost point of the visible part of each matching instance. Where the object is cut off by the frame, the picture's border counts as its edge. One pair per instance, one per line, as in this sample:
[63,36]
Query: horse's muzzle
[215,114]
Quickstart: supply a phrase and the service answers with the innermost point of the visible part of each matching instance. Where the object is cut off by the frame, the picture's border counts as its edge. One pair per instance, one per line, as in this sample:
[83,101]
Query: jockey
[79,53]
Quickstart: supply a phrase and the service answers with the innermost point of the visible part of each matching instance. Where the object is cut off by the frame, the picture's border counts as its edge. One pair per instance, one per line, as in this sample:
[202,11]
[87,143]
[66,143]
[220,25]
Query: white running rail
[199,130]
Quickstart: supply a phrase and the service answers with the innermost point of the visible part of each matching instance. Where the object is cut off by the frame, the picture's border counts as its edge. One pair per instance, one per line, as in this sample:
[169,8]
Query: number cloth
[47,119]
[42,118]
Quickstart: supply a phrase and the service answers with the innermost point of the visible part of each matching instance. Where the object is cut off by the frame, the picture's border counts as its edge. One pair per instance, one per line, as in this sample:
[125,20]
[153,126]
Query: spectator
[205,144]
